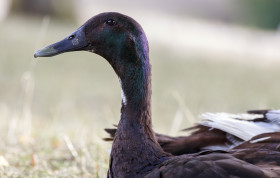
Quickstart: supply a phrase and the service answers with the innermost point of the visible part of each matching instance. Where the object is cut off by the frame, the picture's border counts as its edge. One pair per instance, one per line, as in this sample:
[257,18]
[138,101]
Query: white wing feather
[242,125]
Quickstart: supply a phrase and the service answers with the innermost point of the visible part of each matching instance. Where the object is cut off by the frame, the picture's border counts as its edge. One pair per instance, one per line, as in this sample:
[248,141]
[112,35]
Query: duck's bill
[74,42]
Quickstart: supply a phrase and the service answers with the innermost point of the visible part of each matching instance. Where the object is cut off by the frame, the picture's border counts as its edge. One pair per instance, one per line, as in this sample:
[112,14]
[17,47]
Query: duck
[223,131]
[135,152]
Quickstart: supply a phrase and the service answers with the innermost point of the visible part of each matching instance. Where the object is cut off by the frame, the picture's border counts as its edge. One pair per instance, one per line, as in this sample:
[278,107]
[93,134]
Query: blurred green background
[206,56]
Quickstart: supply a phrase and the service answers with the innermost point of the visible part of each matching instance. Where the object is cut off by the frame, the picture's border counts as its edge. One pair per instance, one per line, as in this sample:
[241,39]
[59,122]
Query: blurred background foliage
[258,13]
[215,51]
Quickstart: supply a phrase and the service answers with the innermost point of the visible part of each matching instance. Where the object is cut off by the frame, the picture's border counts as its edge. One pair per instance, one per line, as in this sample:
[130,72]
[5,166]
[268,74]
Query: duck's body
[135,151]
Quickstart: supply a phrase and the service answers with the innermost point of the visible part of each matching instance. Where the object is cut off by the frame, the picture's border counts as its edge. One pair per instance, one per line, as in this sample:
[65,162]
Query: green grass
[53,110]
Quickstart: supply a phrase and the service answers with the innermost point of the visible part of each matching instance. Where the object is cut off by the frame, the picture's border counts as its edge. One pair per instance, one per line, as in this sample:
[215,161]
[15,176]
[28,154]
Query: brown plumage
[135,151]
[205,138]
[271,142]
[201,137]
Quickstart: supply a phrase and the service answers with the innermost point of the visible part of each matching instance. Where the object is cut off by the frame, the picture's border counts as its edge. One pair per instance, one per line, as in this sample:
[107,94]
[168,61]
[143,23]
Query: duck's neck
[136,97]
[135,147]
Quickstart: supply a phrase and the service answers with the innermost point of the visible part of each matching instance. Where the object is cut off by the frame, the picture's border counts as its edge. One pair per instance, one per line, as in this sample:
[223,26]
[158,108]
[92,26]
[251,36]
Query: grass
[53,110]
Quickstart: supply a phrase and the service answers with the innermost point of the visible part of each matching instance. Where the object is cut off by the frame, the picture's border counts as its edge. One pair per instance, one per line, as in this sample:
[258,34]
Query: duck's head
[116,37]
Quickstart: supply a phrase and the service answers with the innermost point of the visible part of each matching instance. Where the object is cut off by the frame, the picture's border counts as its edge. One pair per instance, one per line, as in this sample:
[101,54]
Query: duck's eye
[71,37]
[110,22]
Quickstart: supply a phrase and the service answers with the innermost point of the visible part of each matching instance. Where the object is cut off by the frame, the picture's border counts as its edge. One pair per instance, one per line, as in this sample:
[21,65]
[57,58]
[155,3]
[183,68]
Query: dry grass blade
[70,146]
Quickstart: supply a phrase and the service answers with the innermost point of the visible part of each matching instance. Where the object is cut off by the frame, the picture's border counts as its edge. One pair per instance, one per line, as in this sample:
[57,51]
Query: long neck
[136,96]
[135,147]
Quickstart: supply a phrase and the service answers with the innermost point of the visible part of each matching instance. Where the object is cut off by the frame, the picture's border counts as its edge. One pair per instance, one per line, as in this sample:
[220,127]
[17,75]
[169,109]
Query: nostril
[71,37]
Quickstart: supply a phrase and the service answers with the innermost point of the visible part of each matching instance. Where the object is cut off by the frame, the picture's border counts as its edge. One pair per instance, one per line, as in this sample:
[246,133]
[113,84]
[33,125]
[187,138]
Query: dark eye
[110,22]
[71,37]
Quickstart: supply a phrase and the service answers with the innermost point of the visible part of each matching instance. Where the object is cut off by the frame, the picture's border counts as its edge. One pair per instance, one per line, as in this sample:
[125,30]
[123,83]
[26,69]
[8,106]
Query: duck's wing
[212,165]
[270,141]
[222,131]
[244,126]
[201,137]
